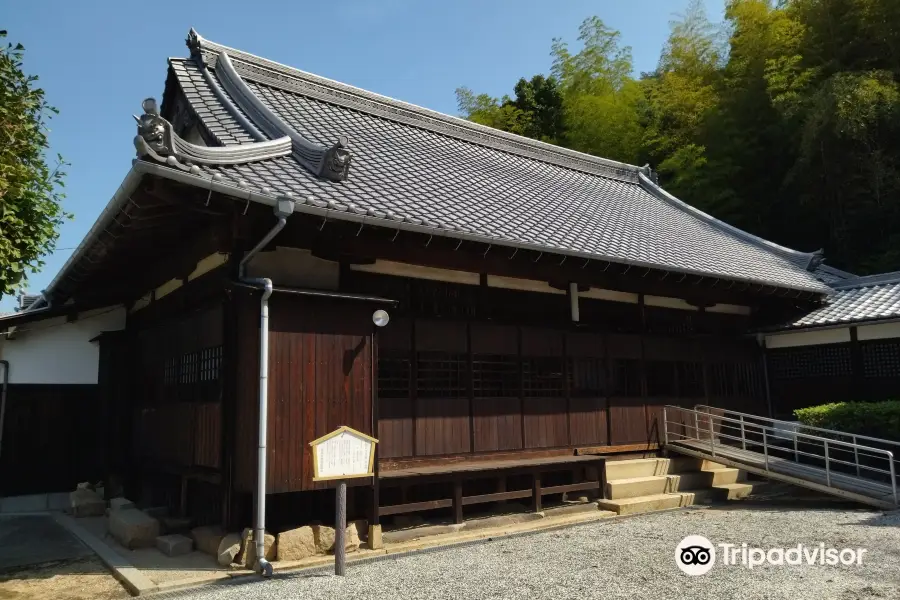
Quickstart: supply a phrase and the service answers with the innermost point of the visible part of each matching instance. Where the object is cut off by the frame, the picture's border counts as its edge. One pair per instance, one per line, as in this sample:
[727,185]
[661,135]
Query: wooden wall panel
[208,434]
[587,422]
[628,420]
[497,424]
[53,438]
[546,422]
[319,379]
[395,427]
[246,395]
[442,426]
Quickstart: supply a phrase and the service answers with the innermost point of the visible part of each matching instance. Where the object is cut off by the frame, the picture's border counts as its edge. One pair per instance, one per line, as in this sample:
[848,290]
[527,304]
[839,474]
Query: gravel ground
[628,558]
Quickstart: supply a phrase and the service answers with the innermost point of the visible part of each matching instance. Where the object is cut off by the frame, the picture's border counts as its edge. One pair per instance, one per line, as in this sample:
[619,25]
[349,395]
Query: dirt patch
[65,580]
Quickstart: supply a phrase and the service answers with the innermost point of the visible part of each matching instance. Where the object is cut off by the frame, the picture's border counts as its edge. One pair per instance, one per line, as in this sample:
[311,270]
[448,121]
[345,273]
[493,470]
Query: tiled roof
[415,166]
[858,299]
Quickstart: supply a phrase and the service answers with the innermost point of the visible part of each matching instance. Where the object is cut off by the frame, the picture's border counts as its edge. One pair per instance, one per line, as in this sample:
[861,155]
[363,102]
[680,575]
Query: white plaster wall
[55,351]
[878,332]
[808,338]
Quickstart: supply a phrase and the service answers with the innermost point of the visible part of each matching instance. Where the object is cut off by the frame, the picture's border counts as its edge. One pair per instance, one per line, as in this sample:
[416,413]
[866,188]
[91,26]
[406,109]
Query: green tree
[30,200]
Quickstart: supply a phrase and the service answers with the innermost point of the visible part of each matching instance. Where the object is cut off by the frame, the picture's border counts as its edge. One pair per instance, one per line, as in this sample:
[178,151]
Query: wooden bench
[457,473]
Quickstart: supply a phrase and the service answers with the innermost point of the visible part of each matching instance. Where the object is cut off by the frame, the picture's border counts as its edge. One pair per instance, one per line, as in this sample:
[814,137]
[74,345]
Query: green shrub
[877,419]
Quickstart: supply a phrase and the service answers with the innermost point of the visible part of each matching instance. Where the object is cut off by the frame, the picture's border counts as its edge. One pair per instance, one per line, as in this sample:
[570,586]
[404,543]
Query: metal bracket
[539,257]
[487,250]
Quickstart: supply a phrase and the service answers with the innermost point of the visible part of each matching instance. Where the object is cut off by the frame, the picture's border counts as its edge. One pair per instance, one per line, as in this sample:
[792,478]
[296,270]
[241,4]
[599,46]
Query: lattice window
[832,360]
[441,375]
[626,377]
[170,370]
[189,368]
[587,377]
[661,378]
[542,377]
[393,374]
[881,359]
[495,375]
[211,363]
[690,380]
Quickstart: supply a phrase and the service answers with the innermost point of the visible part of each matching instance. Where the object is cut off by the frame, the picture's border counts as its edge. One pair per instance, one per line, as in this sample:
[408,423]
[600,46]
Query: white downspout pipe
[283,209]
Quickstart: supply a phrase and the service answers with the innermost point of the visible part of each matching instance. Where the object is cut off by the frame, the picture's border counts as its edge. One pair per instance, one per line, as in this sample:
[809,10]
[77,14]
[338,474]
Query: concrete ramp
[858,468]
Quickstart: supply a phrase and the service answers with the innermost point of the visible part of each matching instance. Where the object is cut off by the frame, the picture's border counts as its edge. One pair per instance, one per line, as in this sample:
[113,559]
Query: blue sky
[98,59]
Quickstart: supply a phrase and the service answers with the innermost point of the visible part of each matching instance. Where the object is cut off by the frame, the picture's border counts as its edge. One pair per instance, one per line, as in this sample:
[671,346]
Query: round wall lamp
[381,318]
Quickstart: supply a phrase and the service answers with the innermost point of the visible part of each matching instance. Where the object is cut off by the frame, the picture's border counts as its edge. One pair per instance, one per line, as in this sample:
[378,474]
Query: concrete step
[733,491]
[636,467]
[704,479]
[689,464]
[644,504]
[634,487]
[720,493]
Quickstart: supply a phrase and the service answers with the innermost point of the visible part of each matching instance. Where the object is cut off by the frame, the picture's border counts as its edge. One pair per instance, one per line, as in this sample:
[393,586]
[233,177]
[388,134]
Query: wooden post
[340,529]
[457,501]
[536,492]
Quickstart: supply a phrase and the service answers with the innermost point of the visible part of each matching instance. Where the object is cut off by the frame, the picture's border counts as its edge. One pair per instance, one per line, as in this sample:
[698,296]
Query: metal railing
[757,434]
[794,425]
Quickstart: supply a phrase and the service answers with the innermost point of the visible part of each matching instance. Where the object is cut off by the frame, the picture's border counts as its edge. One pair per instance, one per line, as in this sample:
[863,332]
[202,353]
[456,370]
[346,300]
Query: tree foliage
[30,198]
[784,119]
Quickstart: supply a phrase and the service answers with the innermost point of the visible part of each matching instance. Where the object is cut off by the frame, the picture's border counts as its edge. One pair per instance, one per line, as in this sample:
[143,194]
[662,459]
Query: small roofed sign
[344,453]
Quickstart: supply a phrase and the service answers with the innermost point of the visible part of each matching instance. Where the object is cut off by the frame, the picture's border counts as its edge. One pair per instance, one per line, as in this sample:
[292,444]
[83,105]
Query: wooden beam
[399,509]
[379,243]
[586,450]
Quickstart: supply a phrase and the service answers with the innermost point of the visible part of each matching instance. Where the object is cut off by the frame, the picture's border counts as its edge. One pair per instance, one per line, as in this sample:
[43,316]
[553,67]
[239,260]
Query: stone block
[229,548]
[121,504]
[247,556]
[325,535]
[86,503]
[133,528]
[207,539]
[375,541]
[174,524]
[174,545]
[296,544]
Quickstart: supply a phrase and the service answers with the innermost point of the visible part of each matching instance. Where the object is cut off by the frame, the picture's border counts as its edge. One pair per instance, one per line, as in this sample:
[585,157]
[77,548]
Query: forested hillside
[784,120]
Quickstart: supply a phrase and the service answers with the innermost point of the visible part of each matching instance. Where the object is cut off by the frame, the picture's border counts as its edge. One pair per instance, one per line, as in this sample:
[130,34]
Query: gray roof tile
[500,191]
[857,299]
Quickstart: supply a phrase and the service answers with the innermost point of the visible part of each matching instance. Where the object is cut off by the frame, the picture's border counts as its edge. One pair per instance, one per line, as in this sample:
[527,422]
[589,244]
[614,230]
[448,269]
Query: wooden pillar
[856,365]
[457,501]
[536,492]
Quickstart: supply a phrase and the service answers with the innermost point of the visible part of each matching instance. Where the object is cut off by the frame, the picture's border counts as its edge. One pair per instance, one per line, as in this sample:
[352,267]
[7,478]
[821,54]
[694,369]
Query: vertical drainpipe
[283,209]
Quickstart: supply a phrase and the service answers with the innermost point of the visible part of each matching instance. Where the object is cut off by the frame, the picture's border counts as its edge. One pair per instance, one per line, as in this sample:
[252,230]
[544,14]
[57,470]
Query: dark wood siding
[178,413]
[442,399]
[496,404]
[319,379]
[53,438]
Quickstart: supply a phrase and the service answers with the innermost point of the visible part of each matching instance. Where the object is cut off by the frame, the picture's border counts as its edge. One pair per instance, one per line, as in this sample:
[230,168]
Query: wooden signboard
[343,454]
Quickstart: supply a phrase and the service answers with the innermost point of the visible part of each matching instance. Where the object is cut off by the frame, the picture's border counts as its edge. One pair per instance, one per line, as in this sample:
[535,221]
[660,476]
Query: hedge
[876,419]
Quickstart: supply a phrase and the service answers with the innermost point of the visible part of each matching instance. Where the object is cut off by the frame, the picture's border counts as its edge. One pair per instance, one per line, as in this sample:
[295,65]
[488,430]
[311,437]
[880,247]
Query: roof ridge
[795,256]
[868,281]
[349,96]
